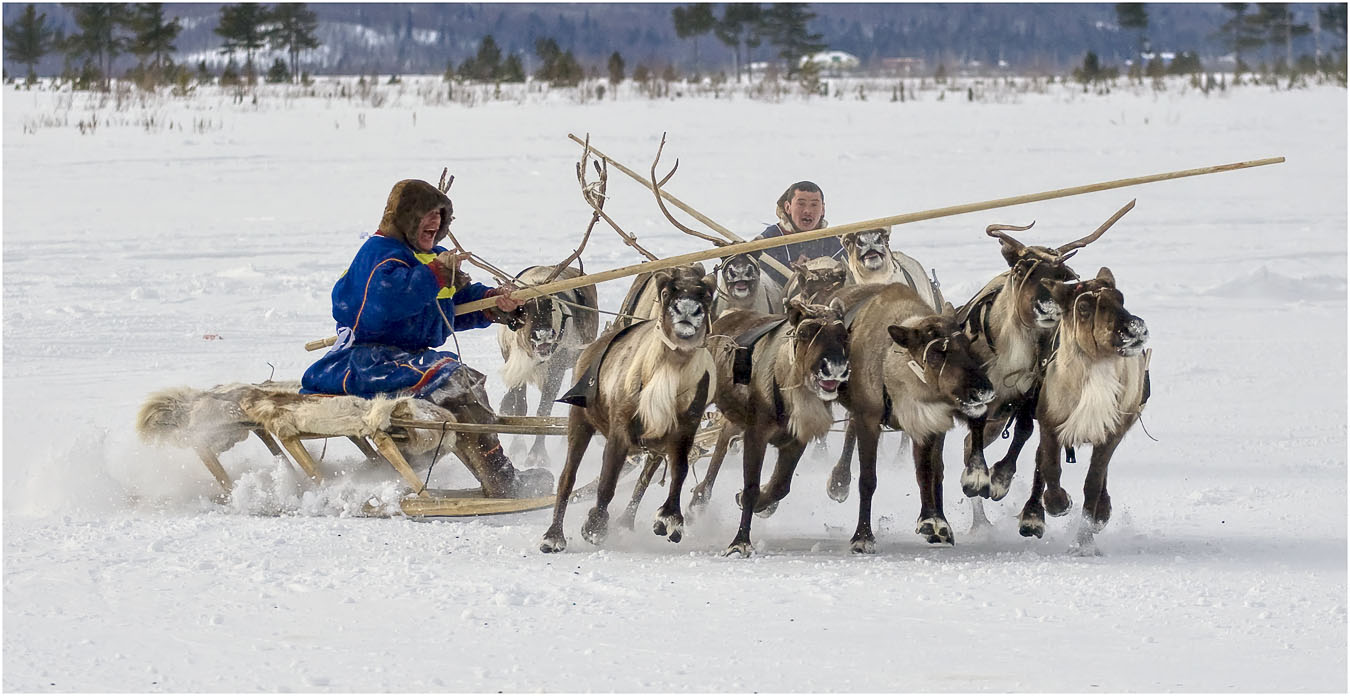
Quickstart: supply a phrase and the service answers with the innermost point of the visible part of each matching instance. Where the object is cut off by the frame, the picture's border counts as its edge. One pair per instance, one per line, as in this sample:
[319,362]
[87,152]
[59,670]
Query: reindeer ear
[662,281]
[908,338]
[849,241]
[1012,253]
[710,284]
[1106,276]
[837,306]
[795,310]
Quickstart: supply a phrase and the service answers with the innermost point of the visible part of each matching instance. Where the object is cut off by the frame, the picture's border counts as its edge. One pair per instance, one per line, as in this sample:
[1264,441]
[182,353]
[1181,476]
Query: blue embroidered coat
[391,315]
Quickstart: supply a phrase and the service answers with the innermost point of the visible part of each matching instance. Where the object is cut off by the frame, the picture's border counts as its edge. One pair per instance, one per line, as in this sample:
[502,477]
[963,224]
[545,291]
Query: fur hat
[408,202]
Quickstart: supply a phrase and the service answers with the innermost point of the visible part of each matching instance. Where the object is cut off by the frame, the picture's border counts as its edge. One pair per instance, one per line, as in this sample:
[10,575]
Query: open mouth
[544,350]
[740,288]
[974,409]
[872,259]
[1131,349]
[426,239]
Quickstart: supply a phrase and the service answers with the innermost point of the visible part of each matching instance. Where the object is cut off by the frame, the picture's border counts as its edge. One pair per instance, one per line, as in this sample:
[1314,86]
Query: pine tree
[513,69]
[615,69]
[549,53]
[154,37]
[1280,29]
[1132,15]
[293,27]
[739,28]
[101,37]
[28,39]
[693,21]
[244,27]
[1239,33]
[487,64]
[785,26]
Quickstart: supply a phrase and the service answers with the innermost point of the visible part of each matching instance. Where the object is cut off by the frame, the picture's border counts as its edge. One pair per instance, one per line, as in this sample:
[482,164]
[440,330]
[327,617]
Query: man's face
[806,209]
[427,229]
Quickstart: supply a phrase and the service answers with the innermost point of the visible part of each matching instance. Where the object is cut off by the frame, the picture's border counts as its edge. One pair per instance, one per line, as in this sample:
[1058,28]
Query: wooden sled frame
[383,446]
[423,502]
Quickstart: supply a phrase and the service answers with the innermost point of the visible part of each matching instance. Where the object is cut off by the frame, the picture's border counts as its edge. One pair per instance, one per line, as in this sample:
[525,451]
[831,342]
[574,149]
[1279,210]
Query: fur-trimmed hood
[408,202]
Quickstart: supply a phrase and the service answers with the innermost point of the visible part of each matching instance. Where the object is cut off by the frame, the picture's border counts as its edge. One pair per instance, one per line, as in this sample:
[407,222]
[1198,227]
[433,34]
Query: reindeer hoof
[596,526]
[627,520]
[866,545]
[838,486]
[553,544]
[1000,480]
[935,530]
[1057,502]
[1099,514]
[1084,547]
[1031,524]
[670,526]
[975,482]
[743,548]
[766,510]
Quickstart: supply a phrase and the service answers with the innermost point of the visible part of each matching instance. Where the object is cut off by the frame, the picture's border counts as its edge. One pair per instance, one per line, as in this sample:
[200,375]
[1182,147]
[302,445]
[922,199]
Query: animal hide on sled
[220,417]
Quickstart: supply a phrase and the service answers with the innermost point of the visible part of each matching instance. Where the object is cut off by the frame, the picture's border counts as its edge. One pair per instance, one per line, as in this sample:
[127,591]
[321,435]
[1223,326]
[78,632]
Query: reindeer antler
[656,189]
[996,230]
[444,185]
[597,203]
[1079,244]
[594,194]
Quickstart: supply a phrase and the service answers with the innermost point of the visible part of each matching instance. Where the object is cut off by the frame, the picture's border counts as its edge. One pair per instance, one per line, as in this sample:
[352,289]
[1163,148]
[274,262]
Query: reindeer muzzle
[976,401]
[1133,336]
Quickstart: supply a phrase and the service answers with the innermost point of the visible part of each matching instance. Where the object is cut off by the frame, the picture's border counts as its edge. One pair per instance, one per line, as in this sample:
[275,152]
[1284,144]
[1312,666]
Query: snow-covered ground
[195,242]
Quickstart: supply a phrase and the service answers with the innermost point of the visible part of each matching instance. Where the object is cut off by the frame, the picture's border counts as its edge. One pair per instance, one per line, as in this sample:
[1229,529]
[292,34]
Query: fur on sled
[219,417]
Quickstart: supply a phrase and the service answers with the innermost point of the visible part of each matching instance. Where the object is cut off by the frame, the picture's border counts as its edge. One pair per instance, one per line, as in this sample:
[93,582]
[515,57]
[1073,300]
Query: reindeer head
[942,359]
[869,249]
[540,327]
[1032,266]
[818,279]
[740,275]
[686,304]
[1095,318]
[819,347]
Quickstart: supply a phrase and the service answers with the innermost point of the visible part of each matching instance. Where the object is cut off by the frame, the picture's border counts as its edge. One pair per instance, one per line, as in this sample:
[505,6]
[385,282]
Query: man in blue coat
[394,306]
[801,208]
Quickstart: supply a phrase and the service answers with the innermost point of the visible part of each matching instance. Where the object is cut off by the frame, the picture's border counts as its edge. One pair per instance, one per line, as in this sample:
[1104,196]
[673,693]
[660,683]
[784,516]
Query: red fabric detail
[431,373]
[441,272]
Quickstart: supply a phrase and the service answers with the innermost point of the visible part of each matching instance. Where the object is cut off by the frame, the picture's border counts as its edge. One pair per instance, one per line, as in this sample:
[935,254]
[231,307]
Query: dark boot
[463,396]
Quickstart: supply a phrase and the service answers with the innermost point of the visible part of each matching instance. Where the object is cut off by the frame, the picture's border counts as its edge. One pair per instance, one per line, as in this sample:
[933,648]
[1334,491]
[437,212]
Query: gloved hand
[509,311]
[446,266]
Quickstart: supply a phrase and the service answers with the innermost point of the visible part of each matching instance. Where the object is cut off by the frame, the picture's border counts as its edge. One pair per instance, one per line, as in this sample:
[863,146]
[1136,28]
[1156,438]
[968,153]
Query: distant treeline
[153,44]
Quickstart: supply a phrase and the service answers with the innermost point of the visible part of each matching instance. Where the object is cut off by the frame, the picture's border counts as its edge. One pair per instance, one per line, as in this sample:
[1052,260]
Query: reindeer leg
[788,457]
[515,404]
[669,521]
[1032,520]
[975,475]
[596,526]
[868,433]
[538,456]
[1056,499]
[842,474]
[702,493]
[979,520]
[932,525]
[651,462]
[1024,422]
[1096,501]
[752,465]
[579,434]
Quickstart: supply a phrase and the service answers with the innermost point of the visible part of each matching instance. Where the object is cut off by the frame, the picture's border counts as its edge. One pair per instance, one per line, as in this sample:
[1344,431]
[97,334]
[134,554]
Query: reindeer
[869,259]
[742,285]
[1010,323]
[642,386]
[543,343]
[919,388]
[1095,386]
[777,386]
[816,280]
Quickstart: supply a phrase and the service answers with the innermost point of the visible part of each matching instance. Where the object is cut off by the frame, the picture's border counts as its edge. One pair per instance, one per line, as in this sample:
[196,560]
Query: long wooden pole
[731,236]
[838,230]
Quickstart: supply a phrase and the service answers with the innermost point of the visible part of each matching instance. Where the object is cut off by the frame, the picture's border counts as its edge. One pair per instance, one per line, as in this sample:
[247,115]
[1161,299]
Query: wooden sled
[384,430]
